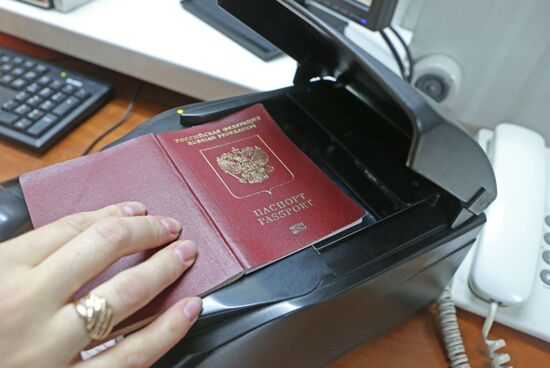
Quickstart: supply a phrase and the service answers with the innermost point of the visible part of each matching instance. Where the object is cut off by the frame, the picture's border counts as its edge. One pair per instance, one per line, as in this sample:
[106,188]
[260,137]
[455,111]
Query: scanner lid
[441,150]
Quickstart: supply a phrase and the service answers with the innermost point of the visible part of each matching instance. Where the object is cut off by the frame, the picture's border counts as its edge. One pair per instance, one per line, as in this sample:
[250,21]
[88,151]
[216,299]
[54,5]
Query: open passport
[240,188]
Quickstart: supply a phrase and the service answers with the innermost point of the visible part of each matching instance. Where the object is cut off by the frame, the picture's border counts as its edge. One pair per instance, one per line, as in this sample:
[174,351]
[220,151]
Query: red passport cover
[241,189]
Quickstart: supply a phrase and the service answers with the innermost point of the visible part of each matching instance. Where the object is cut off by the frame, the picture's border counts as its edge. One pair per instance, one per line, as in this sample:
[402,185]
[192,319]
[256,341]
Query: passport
[245,193]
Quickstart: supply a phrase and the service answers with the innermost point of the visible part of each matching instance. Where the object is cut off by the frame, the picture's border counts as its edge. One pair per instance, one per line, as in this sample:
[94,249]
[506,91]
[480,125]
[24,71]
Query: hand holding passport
[240,188]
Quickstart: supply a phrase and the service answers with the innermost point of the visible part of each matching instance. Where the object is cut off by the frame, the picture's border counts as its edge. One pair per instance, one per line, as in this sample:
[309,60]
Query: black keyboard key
[34,88]
[68,89]
[58,97]
[47,105]
[6,79]
[56,84]
[46,92]
[23,124]
[10,105]
[23,110]
[66,106]
[22,96]
[40,68]
[44,80]
[35,114]
[7,118]
[5,59]
[18,84]
[43,124]
[6,68]
[82,94]
[17,72]
[35,101]
[29,64]
[17,60]
[30,76]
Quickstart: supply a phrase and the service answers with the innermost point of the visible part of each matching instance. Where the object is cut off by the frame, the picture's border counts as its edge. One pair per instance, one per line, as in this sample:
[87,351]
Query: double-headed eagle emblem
[249,165]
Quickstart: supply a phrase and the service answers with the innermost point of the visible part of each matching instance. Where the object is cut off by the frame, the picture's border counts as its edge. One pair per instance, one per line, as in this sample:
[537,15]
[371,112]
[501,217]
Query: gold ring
[96,314]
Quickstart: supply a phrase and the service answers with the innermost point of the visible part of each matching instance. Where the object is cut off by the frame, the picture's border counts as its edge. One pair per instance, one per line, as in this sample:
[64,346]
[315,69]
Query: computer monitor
[372,14]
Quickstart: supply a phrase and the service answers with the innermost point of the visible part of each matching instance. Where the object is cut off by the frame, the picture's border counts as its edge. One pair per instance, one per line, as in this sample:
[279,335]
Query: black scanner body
[422,180]
[312,306]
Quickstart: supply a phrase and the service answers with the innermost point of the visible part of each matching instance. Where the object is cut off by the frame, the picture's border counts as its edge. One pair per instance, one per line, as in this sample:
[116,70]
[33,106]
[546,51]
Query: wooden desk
[413,344]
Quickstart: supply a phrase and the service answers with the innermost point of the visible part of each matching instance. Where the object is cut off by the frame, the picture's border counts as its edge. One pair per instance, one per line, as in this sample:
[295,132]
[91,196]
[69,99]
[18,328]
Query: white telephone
[509,266]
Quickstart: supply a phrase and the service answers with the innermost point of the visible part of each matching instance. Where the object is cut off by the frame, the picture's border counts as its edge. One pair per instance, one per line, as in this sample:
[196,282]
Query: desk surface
[415,343]
[154,41]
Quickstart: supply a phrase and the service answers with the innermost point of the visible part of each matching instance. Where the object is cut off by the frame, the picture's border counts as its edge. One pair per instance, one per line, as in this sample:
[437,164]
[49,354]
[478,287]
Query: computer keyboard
[40,102]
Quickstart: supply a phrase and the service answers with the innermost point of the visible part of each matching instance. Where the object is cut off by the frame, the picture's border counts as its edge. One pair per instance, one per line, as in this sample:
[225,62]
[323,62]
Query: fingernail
[133,208]
[171,225]
[186,250]
[193,308]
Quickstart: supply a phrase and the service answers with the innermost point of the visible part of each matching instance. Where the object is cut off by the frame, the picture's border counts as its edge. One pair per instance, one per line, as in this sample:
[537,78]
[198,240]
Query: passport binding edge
[200,205]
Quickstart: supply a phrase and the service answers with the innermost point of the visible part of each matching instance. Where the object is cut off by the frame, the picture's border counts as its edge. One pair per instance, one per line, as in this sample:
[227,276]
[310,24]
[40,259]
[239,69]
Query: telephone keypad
[545,276]
[545,273]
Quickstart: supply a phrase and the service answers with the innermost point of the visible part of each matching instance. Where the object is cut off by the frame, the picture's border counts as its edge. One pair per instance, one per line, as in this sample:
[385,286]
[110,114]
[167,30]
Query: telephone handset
[506,256]
[509,266]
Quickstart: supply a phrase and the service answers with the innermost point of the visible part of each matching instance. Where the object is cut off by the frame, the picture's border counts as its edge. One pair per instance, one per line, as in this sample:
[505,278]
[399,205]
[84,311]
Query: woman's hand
[41,270]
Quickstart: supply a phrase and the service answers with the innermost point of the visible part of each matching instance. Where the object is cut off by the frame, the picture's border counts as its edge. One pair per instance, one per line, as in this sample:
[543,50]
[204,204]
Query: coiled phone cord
[451,331]
[497,359]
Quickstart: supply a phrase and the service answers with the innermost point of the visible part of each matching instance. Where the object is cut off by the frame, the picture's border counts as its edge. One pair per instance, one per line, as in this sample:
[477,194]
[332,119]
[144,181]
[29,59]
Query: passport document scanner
[423,181]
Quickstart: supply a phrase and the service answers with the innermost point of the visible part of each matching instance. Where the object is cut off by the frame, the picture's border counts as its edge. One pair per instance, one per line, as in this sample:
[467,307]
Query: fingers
[33,247]
[132,289]
[145,347]
[128,291]
[89,253]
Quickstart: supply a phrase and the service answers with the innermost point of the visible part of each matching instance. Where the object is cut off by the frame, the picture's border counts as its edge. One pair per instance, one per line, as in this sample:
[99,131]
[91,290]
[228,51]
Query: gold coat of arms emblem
[249,165]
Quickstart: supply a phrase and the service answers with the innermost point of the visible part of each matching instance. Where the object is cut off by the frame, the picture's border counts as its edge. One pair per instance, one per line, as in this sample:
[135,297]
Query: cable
[407,51]
[451,331]
[394,53]
[118,123]
[497,359]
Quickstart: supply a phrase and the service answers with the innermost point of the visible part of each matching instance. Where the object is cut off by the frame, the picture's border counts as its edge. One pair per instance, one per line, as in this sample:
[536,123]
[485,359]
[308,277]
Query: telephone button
[545,276]
[547,220]
[546,256]
[547,238]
